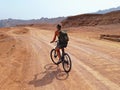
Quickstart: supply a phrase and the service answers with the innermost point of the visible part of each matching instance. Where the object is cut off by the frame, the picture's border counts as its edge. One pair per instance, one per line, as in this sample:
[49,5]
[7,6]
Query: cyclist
[59,45]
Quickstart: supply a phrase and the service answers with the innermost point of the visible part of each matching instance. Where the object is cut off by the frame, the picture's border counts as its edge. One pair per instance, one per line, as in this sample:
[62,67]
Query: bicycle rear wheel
[54,56]
[67,64]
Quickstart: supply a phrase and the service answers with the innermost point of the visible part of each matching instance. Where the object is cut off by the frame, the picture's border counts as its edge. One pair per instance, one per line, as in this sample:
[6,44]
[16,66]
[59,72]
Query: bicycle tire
[54,57]
[67,62]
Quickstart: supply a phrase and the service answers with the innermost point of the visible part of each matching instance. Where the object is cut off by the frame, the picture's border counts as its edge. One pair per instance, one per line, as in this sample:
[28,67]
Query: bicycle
[65,59]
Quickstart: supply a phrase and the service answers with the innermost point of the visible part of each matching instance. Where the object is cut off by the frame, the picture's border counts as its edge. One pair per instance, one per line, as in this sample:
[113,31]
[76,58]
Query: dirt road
[25,62]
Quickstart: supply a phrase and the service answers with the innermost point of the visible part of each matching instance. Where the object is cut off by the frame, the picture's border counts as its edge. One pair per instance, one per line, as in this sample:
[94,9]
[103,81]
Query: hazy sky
[35,9]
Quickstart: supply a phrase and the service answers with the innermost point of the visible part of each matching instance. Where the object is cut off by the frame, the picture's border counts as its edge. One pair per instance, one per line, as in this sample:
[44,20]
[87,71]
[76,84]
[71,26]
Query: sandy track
[25,63]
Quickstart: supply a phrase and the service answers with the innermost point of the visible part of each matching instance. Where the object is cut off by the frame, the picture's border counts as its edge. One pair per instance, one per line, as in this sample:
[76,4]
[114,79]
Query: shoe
[66,62]
[55,56]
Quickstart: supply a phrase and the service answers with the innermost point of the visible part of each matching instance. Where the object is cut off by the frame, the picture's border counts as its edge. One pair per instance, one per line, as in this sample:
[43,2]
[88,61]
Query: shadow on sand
[51,72]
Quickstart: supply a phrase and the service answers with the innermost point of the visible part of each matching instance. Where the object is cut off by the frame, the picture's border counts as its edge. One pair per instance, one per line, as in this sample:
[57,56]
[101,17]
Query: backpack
[63,38]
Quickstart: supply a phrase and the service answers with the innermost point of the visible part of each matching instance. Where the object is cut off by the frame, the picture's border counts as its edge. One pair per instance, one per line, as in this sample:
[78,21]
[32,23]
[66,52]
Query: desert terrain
[25,62]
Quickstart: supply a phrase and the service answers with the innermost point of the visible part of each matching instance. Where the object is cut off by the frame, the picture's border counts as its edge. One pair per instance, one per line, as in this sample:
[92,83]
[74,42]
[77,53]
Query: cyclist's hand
[51,41]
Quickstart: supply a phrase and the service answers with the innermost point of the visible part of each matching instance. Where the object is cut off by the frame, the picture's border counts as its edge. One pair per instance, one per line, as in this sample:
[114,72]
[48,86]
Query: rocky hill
[14,22]
[92,19]
[108,10]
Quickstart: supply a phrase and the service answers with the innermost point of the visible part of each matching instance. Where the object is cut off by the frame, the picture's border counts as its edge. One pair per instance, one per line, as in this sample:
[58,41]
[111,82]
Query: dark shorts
[61,45]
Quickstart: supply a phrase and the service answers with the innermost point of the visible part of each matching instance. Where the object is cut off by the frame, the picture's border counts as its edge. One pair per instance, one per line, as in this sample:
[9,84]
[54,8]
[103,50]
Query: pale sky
[35,9]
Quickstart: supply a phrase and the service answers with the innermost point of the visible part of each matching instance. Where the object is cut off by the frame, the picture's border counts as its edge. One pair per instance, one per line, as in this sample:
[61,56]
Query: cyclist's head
[58,26]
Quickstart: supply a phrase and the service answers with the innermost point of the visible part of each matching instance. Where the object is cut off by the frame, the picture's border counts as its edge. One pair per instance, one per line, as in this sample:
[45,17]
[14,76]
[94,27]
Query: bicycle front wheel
[54,56]
[67,64]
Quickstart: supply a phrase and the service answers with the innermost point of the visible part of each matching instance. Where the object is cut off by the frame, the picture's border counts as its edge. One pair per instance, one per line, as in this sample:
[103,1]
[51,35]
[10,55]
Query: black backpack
[63,38]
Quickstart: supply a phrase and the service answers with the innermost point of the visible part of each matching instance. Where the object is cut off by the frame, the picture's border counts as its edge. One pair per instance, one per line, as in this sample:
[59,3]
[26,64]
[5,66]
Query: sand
[25,62]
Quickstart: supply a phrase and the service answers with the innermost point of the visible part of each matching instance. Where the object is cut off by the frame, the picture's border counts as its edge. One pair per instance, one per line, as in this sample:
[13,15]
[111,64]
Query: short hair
[59,26]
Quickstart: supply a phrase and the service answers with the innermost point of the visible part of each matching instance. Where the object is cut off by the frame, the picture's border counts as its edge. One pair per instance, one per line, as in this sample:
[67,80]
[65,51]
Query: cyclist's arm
[54,38]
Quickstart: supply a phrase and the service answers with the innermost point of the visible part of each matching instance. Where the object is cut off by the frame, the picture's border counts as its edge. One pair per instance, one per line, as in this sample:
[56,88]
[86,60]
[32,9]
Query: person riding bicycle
[59,45]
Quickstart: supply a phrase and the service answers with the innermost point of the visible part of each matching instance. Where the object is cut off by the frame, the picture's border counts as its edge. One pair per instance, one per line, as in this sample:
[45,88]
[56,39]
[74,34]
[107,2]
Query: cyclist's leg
[58,51]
